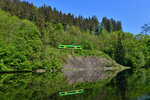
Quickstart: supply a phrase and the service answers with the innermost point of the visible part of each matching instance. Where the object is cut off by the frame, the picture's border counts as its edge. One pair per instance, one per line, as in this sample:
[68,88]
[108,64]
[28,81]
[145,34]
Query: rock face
[82,69]
[86,62]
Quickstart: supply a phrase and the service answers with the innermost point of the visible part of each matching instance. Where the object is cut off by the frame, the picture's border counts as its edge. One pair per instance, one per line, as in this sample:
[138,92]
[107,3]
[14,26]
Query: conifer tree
[119,26]
[114,26]
[40,22]
[120,52]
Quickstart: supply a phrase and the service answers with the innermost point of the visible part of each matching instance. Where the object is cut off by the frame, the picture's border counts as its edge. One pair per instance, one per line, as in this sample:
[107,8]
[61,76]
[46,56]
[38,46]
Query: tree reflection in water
[98,85]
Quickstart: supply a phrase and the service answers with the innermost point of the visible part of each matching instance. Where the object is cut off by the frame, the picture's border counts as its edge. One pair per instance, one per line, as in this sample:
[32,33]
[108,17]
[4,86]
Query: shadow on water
[133,84]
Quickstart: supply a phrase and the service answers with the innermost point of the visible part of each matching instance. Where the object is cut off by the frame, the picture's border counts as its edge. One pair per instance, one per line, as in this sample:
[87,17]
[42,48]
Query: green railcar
[71,92]
[70,47]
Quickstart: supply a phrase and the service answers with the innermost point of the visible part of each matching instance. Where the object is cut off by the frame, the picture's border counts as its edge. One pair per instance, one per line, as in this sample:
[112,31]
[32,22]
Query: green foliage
[134,48]
[134,53]
[29,44]
[87,45]
[58,27]
[120,52]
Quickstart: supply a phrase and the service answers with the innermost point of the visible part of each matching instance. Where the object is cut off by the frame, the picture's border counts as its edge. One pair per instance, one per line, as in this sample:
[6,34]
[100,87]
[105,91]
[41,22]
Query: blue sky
[132,13]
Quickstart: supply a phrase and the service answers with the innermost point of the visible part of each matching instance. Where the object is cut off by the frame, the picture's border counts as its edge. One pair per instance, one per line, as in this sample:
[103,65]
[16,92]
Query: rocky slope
[90,62]
[91,68]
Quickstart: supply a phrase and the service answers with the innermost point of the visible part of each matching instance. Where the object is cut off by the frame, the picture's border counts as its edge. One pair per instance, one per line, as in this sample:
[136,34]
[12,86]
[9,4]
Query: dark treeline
[111,25]
[41,15]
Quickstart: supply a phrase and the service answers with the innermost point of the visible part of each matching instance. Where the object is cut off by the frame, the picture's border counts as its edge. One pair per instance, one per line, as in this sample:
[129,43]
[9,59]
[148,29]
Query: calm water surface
[133,84]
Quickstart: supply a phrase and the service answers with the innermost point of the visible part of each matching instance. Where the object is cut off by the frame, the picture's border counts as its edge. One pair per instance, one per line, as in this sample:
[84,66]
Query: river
[131,84]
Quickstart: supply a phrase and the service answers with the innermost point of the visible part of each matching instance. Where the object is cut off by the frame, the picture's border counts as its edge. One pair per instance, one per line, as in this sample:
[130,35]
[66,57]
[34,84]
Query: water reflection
[97,84]
[37,86]
[29,85]
[88,75]
[128,85]
[144,97]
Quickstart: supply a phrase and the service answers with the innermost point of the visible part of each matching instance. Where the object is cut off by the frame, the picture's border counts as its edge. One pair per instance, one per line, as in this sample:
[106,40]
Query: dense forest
[45,14]
[29,37]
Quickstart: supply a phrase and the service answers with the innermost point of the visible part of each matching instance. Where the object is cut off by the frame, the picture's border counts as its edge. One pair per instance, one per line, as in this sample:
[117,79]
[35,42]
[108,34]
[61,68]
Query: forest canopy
[29,37]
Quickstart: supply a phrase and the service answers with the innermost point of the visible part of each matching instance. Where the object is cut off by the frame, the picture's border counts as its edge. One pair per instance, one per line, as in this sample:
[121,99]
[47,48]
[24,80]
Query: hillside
[21,47]
[29,38]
